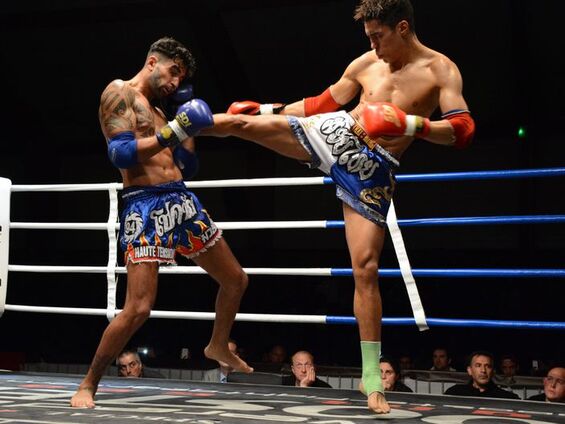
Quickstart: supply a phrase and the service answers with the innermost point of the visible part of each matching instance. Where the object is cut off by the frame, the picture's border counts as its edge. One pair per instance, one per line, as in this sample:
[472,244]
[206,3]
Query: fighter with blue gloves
[153,148]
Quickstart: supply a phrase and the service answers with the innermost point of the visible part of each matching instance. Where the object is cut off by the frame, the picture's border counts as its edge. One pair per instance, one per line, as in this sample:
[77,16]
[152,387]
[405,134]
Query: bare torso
[414,88]
[135,113]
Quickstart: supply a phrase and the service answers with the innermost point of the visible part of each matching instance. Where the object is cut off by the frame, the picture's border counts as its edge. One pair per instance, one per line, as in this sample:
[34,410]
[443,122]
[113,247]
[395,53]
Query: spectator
[509,367]
[129,365]
[481,370]
[390,374]
[405,362]
[553,386]
[220,375]
[277,355]
[441,360]
[303,371]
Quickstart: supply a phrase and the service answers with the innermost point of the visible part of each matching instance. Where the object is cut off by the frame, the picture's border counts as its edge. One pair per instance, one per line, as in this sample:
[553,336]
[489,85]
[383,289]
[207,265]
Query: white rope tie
[406,269]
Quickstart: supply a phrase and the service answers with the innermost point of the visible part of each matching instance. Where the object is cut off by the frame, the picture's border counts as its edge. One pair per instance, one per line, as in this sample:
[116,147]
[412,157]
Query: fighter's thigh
[364,238]
[220,263]
[142,281]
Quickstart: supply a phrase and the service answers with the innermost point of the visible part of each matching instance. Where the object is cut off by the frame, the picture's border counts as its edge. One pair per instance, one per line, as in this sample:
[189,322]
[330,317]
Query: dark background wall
[56,59]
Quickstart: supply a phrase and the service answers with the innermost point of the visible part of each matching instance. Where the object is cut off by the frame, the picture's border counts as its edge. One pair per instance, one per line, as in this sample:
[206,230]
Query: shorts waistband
[135,192]
[371,143]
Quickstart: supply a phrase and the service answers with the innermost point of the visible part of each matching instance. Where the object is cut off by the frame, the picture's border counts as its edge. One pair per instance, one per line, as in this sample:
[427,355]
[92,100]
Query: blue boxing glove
[171,103]
[187,162]
[191,117]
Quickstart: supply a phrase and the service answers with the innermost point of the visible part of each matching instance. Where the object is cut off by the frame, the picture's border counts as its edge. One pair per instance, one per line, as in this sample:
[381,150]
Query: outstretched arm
[335,96]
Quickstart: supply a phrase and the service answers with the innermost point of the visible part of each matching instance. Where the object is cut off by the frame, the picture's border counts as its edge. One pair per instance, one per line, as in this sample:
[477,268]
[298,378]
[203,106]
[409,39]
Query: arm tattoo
[115,112]
[144,118]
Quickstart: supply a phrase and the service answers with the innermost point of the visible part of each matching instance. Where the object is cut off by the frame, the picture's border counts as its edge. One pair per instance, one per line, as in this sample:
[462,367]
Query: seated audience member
[553,386]
[274,360]
[405,362]
[390,374]
[220,375]
[303,371]
[481,371]
[129,365]
[441,360]
[509,367]
[276,355]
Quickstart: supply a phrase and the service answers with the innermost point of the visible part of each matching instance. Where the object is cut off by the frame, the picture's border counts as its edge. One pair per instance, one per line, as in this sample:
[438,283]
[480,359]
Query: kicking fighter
[160,216]
[400,82]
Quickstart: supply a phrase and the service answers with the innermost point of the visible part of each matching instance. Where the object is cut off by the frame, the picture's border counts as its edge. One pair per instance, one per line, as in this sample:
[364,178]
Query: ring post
[112,252]
[5,190]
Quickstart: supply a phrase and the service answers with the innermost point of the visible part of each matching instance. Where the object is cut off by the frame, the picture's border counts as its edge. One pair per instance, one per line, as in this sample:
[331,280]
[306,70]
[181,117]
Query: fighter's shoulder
[119,88]
[362,62]
[440,64]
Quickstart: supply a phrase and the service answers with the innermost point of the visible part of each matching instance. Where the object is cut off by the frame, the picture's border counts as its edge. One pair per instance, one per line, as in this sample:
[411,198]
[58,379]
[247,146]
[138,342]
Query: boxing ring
[47,396]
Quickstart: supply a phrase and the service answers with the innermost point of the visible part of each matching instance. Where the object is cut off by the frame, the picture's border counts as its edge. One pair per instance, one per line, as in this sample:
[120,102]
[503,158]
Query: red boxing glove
[387,119]
[248,107]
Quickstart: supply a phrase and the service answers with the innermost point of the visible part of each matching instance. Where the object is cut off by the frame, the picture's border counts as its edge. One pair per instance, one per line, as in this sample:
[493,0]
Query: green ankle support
[370,356]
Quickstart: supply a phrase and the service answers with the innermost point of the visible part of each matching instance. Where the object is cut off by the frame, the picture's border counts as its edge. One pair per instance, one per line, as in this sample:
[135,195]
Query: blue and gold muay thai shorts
[158,221]
[362,170]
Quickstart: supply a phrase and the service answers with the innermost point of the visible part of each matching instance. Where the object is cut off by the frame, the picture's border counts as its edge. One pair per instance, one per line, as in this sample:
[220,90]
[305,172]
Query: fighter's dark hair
[387,12]
[175,50]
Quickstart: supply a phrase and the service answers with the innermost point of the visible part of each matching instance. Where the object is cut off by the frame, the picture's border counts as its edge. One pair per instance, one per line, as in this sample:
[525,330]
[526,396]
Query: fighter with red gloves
[400,83]
[388,120]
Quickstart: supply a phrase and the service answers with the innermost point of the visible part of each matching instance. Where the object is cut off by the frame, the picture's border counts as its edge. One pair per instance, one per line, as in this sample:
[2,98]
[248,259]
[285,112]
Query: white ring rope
[234,225]
[194,270]
[251,182]
[208,316]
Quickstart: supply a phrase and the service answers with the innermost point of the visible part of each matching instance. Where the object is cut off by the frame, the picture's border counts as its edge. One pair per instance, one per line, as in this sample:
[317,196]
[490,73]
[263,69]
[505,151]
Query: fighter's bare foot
[376,401]
[83,398]
[223,354]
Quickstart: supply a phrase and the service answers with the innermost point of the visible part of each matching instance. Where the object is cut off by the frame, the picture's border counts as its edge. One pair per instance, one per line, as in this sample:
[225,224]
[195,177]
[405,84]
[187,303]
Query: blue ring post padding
[446,322]
[478,175]
[462,272]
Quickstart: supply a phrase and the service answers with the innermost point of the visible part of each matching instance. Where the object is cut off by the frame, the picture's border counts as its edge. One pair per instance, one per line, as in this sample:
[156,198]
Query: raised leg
[140,297]
[270,131]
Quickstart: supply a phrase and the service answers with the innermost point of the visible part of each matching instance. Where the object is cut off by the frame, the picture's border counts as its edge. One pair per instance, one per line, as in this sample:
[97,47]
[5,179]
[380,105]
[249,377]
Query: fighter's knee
[139,312]
[143,312]
[367,271]
[242,281]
